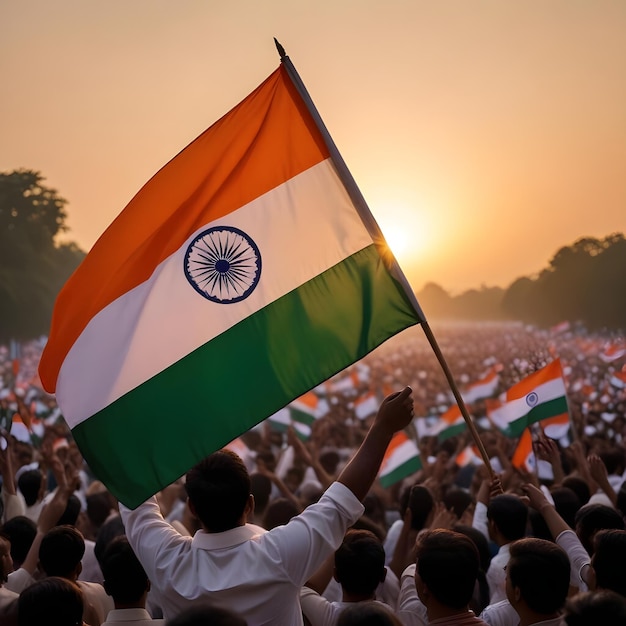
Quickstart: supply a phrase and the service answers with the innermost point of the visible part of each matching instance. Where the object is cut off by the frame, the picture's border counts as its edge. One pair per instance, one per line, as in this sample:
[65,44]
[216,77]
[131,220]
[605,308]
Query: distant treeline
[584,282]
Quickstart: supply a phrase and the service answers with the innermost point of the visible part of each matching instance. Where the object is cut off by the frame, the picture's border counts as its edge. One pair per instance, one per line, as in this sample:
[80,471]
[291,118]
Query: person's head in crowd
[310,492]
[507,516]
[32,486]
[20,531]
[113,527]
[365,523]
[375,509]
[52,601]
[61,551]
[447,565]
[71,513]
[537,579]
[279,512]
[579,486]
[480,598]
[125,580]
[422,506]
[218,491]
[293,478]
[99,507]
[458,500]
[6,562]
[595,608]
[329,460]
[205,616]
[609,561]
[260,488]
[367,614]
[594,517]
[567,504]
[359,565]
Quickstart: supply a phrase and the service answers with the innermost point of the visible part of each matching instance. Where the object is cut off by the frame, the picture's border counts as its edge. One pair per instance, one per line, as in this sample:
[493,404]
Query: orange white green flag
[540,396]
[244,273]
[401,459]
[482,388]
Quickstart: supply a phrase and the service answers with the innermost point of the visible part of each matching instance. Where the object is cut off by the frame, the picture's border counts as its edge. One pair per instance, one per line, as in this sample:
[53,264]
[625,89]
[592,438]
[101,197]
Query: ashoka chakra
[223,264]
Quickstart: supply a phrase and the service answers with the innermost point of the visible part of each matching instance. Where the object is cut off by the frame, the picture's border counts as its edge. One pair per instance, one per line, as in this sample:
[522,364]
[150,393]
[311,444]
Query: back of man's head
[509,515]
[448,563]
[52,601]
[539,571]
[29,484]
[61,551]
[125,580]
[360,563]
[21,532]
[594,517]
[218,488]
[595,608]
[609,560]
[261,489]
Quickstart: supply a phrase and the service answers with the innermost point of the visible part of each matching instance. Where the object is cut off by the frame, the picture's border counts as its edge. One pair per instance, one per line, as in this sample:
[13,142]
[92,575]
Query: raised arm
[394,414]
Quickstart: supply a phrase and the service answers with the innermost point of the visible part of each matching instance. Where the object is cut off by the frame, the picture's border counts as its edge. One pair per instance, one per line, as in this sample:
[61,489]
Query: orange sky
[492,132]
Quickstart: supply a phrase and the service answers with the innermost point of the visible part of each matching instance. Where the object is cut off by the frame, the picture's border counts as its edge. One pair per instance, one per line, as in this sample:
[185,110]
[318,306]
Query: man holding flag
[239,566]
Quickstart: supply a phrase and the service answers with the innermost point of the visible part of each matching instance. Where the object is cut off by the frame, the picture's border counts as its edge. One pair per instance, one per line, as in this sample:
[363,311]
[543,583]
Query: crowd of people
[301,531]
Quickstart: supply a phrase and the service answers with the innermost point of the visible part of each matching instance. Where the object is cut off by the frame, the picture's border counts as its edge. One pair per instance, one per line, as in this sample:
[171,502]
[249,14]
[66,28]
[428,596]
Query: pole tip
[281,50]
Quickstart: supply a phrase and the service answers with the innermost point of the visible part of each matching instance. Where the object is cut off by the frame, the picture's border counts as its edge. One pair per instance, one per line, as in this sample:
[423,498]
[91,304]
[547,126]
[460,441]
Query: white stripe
[302,228]
[403,453]
[515,409]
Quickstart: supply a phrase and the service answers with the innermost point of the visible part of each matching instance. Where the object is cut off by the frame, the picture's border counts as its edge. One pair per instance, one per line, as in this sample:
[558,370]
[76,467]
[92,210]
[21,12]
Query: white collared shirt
[255,573]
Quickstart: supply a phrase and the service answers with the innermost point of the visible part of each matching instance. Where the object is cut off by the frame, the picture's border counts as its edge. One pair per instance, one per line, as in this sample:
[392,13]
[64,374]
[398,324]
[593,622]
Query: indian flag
[483,388]
[243,274]
[524,456]
[618,380]
[537,397]
[451,423]
[401,460]
[366,406]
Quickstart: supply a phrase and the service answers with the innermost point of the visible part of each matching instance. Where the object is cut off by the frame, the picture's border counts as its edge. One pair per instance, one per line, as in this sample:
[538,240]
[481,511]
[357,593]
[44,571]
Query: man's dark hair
[261,488]
[480,598]
[609,560]
[71,513]
[594,517]
[509,514]
[61,550]
[20,531]
[99,507]
[125,580]
[458,500]
[219,487]
[279,512]
[52,601]
[541,571]
[567,503]
[360,562]
[448,563]
[421,503]
[367,614]
[613,459]
[605,608]
[579,486]
[201,616]
[29,483]
[113,527]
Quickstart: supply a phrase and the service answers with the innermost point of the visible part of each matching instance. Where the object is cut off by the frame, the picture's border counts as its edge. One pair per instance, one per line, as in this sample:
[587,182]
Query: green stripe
[407,468]
[152,435]
[452,431]
[542,411]
[301,416]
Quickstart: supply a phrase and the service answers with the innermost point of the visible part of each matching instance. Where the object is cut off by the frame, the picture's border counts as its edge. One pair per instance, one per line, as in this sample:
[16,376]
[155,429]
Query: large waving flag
[537,397]
[243,274]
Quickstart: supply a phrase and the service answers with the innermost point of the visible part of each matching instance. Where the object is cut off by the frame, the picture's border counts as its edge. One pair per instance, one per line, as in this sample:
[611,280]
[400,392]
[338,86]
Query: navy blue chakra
[531,399]
[223,264]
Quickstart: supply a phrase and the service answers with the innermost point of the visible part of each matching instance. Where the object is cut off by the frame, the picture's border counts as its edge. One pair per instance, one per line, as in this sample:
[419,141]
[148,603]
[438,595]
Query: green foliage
[33,267]
[584,282]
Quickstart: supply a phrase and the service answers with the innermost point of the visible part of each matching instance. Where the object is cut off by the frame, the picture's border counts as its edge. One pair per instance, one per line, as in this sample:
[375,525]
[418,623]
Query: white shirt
[500,614]
[256,573]
[136,617]
[321,612]
[410,609]
[496,576]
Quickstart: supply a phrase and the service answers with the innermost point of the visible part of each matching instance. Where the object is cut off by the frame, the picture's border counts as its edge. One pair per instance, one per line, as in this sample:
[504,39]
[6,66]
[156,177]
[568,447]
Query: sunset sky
[487,132]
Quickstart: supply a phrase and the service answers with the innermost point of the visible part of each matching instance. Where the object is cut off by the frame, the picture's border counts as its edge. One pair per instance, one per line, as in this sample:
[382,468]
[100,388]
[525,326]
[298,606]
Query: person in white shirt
[238,566]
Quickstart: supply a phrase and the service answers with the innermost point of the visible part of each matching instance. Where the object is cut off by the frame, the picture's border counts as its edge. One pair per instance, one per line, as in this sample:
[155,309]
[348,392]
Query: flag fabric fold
[238,278]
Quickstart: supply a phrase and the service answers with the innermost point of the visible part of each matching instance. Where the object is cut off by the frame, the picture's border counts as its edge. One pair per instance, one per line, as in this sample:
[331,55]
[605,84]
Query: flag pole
[379,240]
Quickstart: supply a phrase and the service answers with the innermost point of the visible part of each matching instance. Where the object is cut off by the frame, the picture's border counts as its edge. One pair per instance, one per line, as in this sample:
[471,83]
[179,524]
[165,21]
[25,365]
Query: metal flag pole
[379,240]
